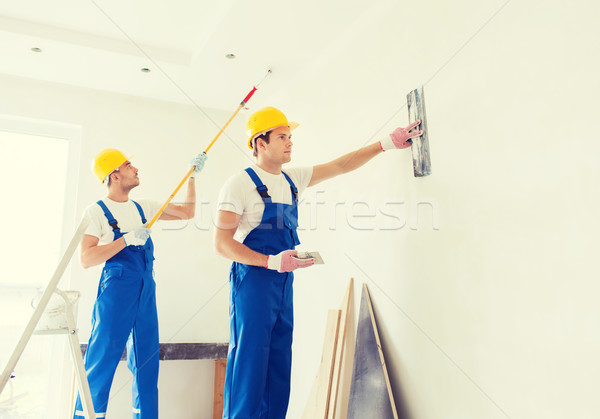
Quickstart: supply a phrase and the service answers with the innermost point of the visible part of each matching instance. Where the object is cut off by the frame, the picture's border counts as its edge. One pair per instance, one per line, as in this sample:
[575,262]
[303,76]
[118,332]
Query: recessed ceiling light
[145,70]
[36,49]
[230,56]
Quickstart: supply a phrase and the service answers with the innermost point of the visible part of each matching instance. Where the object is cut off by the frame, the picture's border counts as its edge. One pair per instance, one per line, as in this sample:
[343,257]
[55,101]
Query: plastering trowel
[420,145]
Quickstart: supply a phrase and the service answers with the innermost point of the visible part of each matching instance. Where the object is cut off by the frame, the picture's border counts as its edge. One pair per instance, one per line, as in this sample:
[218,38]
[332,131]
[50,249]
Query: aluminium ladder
[67,325]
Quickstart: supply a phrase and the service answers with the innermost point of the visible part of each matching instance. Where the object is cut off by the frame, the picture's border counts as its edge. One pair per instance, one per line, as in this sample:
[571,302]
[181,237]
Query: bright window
[33,174]
[38,181]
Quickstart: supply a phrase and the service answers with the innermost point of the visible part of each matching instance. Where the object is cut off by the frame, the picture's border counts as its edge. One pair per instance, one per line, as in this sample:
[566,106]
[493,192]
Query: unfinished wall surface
[483,276]
[485,286]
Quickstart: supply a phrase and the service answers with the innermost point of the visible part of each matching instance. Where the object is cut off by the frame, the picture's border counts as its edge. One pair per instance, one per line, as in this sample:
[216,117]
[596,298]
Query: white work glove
[287,261]
[198,162]
[400,138]
[137,236]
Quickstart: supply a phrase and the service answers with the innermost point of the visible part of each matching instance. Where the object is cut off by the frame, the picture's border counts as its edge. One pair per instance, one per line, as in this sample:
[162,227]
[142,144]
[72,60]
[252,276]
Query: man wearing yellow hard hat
[256,228]
[125,309]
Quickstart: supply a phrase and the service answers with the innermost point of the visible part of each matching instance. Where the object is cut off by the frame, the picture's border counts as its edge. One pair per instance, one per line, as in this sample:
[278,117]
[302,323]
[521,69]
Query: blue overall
[125,315]
[257,381]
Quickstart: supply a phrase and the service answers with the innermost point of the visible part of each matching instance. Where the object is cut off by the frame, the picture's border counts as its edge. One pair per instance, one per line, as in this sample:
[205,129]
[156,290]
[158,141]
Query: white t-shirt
[239,194]
[126,214]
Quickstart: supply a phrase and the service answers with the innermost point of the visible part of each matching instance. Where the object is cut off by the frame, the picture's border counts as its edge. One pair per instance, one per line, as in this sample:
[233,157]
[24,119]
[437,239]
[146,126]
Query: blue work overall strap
[293,187]
[277,218]
[133,257]
[140,210]
[111,220]
[263,191]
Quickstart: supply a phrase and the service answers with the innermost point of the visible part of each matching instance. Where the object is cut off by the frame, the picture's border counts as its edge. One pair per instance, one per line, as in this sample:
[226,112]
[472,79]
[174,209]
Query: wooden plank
[219,387]
[370,393]
[318,404]
[339,353]
[312,400]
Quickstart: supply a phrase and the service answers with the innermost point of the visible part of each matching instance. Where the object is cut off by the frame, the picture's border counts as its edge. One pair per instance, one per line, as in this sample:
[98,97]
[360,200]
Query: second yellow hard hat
[106,162]
[265,120]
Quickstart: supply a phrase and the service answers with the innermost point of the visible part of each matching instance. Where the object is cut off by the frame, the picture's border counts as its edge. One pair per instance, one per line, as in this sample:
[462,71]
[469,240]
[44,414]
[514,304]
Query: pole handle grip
[248,96]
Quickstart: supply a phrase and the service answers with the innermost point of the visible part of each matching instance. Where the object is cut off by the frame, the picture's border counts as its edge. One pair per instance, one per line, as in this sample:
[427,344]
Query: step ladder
[57,318]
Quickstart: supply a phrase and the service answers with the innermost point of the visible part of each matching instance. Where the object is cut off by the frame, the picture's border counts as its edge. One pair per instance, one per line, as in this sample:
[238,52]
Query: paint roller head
[263,79]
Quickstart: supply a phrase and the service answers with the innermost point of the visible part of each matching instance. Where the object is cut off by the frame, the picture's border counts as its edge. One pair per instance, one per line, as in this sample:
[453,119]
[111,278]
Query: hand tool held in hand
[310,255]
[400,137]
[287,261]
[193,168]
[420,145]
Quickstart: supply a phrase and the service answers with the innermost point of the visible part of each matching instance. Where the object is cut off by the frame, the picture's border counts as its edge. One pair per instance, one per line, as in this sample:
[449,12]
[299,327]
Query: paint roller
[189,173]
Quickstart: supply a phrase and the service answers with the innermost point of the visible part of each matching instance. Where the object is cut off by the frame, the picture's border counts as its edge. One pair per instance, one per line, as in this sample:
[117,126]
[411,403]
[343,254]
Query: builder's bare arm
[344,164]
[93,254]
[400,138]
[227,246]
[185,211]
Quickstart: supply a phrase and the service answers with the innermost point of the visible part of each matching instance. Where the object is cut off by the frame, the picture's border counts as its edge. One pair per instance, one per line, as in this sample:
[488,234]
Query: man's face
[128,176]
[279,148]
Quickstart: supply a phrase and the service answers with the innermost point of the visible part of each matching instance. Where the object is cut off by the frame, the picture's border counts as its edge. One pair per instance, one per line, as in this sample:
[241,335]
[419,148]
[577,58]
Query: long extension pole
[189,173]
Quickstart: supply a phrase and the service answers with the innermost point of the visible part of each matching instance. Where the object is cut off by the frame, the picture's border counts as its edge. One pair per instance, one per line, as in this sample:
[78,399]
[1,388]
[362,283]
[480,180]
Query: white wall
[486,298]
[494,314]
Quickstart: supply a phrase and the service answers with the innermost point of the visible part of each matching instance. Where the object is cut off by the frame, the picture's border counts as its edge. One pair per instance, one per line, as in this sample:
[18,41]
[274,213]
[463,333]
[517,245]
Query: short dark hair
[264,137]
[108,180]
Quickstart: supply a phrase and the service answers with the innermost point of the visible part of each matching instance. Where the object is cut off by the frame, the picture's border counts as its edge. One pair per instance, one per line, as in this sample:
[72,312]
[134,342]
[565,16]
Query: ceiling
[343,56]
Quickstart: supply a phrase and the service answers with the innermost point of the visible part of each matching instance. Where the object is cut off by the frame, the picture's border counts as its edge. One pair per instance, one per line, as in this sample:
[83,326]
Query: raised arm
[186,210]
[400,138]
[346,163]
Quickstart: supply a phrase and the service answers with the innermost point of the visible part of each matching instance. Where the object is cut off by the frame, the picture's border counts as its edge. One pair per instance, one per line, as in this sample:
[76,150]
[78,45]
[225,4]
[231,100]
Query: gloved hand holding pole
[137,236]
[193,168]
[198,163]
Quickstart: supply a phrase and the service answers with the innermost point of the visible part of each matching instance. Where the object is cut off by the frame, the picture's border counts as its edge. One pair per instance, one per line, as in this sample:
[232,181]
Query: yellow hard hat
[106,162]
[265,120]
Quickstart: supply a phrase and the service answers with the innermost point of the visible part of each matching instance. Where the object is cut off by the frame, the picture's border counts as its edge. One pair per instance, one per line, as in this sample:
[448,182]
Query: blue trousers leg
[112,319]
[143,355]
[259,359]
[277,388]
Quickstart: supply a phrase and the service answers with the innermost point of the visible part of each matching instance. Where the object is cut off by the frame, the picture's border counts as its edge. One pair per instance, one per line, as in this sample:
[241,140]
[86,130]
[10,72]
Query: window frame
[57,399]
